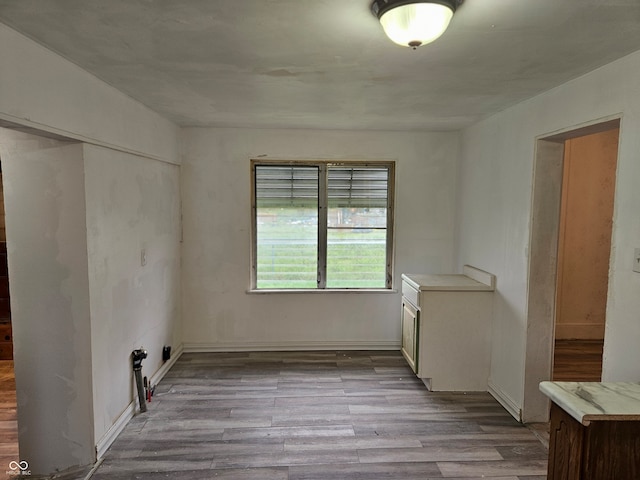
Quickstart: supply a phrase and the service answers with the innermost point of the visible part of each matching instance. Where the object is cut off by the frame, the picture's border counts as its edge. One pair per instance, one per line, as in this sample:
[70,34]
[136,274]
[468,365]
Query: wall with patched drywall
[493,221]
[216,189]
[133,206]
[135,151]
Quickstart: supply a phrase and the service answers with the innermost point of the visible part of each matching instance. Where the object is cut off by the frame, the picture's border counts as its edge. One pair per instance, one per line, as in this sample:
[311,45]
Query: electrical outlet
[636,260]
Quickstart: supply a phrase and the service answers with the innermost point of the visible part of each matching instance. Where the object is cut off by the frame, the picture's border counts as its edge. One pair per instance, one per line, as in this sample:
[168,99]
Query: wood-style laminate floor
[317,416]
[8,417]
[577,360]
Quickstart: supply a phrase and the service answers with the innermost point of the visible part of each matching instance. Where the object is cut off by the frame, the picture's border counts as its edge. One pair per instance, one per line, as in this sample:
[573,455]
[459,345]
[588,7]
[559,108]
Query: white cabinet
[446,328]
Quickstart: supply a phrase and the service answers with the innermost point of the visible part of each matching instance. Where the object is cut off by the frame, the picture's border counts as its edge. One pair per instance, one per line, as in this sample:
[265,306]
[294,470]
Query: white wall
[132,199]
[40,89]
[493,220]
[133,203]
[217,311]
[77,219]
[47,254]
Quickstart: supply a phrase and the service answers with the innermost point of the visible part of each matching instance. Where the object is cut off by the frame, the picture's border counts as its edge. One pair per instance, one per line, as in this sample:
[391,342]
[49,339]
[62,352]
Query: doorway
[543,263]
[8,402]
[584,246]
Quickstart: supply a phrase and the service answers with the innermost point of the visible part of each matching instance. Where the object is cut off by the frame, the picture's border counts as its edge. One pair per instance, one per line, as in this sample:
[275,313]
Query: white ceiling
[327,63]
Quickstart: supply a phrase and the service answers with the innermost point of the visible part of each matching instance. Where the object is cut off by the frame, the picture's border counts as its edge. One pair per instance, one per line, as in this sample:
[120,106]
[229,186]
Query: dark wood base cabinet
[604,450]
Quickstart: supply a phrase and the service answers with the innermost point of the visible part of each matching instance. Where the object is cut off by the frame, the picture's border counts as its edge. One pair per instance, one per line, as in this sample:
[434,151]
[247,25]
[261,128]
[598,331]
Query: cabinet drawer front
[411,294]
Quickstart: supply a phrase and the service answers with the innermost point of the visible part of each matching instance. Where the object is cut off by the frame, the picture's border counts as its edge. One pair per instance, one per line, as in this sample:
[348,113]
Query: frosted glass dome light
[414,23]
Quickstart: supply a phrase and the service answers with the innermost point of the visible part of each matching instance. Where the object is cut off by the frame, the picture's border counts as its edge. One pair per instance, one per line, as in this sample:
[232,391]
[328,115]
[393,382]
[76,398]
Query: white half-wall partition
[494,218]
[47,254]
[218,312]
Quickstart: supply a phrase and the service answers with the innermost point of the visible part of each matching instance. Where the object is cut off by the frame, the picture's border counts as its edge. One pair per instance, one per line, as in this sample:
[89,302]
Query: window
[322,225]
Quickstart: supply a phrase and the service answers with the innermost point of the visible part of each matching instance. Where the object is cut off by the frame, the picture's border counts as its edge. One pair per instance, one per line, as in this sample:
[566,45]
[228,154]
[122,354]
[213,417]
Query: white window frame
[322,221]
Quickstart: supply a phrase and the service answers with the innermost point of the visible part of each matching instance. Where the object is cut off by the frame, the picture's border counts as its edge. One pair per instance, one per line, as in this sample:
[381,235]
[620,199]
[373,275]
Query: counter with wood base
[595,430]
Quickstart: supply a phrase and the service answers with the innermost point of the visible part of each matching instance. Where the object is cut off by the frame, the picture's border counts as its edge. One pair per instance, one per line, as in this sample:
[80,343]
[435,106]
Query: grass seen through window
[287,252]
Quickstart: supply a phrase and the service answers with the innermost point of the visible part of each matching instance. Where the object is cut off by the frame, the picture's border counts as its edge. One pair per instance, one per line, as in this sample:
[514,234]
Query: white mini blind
[360,187]
[286,186]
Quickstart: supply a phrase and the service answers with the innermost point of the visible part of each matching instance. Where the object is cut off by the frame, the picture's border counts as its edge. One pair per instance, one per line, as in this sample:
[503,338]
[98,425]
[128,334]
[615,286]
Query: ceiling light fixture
[412,23]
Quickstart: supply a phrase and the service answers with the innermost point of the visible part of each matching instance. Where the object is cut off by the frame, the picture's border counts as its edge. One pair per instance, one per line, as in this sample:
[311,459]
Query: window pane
[356,227]
[356,258]
[286,227]
[349,218]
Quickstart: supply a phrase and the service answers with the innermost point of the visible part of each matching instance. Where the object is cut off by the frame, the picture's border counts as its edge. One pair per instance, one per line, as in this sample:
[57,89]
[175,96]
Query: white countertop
[593,401]
[473,279]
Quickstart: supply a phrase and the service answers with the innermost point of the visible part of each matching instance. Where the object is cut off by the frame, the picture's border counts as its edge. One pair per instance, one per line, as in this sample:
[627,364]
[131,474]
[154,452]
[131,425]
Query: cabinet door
[566,438]
[410,334]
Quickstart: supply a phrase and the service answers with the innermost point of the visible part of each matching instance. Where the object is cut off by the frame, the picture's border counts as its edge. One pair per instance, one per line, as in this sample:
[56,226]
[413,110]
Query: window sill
[324,290]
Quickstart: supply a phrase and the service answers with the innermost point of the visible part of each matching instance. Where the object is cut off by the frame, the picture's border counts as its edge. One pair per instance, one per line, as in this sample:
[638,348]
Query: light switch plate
[636,260]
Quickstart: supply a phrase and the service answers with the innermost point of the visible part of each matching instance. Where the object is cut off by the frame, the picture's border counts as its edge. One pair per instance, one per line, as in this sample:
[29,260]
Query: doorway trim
[543,256]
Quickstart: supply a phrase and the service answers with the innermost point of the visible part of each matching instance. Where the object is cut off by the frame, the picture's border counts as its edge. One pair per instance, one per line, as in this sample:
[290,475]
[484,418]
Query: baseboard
[287,346]
[579,331]
[505,400]
[109,437]
[166,366]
